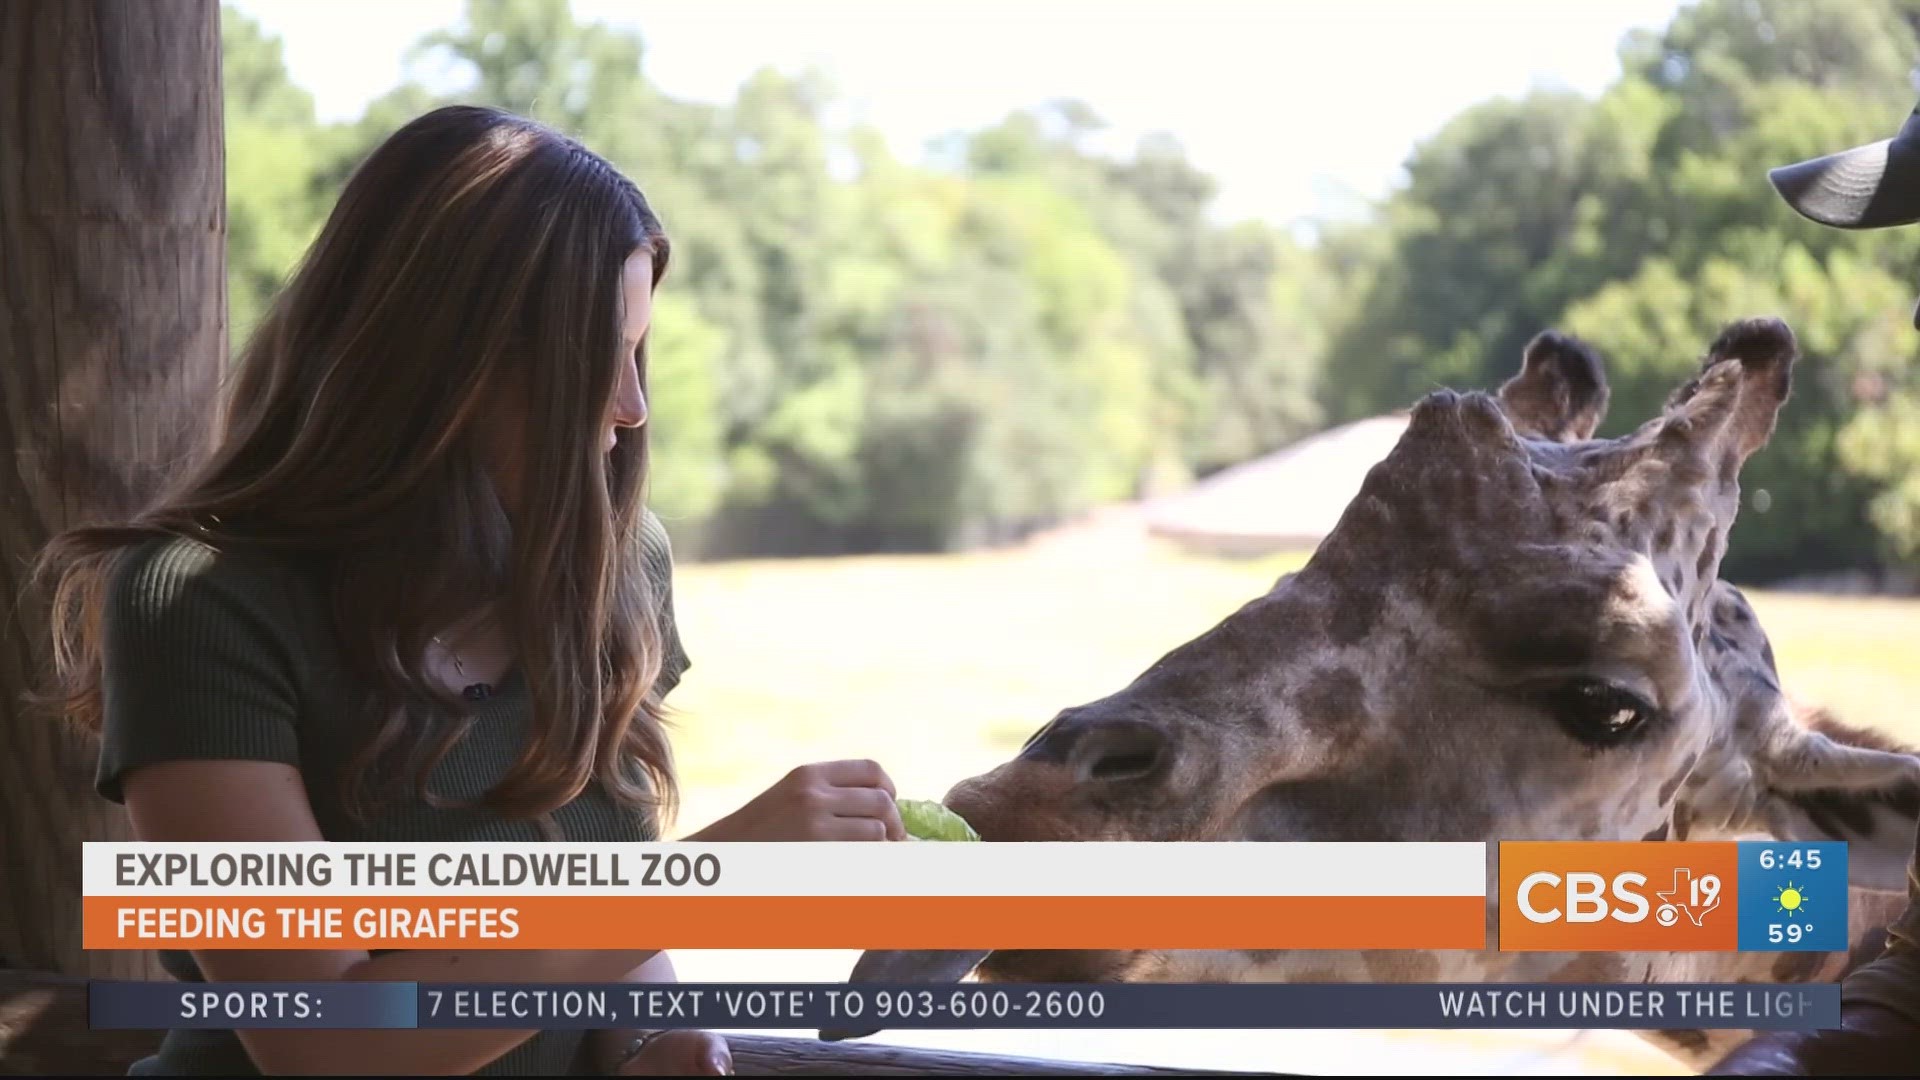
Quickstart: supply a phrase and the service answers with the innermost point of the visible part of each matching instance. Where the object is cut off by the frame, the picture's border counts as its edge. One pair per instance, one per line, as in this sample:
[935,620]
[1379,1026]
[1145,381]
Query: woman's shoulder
[164,580]
[657,559]
[201,659]
[656,555]
[655,544]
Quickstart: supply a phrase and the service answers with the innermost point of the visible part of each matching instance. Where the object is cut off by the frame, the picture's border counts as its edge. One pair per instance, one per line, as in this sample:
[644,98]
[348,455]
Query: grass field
[939,667]
[935,666]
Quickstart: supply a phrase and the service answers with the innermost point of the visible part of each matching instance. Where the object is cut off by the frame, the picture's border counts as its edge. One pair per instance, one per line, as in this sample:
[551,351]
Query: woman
[413,594]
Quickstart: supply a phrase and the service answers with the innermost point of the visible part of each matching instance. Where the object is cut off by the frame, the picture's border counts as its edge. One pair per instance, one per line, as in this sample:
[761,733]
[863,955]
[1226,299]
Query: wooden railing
[43,1032]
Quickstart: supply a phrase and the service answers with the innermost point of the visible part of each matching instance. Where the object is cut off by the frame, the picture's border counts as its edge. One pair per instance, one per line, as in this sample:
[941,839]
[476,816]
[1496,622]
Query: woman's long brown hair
[475,258]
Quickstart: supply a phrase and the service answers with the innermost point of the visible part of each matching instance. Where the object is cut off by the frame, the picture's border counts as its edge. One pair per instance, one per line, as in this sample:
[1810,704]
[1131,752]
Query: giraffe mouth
[1037,813]
[948,967]
[1052,965]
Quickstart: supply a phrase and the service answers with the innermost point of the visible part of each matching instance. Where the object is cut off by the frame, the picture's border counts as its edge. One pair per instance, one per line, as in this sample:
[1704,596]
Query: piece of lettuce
[928,820]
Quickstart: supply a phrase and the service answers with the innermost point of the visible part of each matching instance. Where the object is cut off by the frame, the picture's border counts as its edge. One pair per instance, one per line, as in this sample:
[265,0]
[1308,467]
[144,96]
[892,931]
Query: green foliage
[845,345]
[852,352]
[925,819]
[1644,222]
[686,473]
[271,211]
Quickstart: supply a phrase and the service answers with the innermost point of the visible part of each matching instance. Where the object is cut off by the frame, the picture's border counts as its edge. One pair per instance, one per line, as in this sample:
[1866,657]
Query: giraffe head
[1515,631]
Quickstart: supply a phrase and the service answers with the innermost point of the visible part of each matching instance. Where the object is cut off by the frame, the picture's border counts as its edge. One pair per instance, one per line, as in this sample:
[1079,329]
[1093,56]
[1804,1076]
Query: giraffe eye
[1597,713]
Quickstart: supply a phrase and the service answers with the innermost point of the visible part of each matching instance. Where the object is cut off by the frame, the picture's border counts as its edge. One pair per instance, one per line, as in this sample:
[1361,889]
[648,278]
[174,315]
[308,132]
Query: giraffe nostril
[1119,750]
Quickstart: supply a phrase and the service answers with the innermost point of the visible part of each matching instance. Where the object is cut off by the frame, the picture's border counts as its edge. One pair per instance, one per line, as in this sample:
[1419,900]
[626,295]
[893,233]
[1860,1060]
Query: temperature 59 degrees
[1788,933]
[1791,859]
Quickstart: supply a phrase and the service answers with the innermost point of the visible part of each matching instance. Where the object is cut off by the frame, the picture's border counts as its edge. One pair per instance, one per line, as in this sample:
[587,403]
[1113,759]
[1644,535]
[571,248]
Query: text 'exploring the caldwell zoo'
[1674,897]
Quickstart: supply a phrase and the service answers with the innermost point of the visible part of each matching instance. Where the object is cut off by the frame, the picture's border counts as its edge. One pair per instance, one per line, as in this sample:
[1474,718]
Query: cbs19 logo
[1586,897]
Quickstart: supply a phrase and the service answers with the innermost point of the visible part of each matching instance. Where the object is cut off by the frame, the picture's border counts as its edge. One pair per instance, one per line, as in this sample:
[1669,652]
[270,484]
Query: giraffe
[1516,631]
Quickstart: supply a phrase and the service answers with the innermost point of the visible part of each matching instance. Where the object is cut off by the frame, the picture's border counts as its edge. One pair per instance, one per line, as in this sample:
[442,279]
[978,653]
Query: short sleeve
[657,555]
[1893,980]
[196,663]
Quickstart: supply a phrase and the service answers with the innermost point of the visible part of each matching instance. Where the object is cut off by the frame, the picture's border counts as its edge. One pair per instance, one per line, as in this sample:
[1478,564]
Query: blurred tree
[274,205]
[1505,219]
[887,355]
[1644,221]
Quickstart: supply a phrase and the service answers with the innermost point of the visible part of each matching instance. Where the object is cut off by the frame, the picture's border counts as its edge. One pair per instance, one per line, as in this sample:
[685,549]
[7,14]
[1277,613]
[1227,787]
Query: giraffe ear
[1561,391]
[1833,781]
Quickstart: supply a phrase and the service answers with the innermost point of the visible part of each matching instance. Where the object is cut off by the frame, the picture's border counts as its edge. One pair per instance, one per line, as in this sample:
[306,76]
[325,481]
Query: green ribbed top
[220,655]
[1892,981]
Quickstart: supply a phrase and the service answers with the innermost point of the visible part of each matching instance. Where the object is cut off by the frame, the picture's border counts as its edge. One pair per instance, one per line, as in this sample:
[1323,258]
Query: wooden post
[112,338]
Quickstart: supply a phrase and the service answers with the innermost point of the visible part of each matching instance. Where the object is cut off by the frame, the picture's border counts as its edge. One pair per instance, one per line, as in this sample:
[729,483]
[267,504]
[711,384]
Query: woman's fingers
[682,1053]
[858,773]
[868,804]
[858,828]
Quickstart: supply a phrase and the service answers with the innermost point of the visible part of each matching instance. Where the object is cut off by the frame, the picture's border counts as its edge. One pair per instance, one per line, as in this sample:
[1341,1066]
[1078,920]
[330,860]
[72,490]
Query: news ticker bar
[827,1006]
[1557,897]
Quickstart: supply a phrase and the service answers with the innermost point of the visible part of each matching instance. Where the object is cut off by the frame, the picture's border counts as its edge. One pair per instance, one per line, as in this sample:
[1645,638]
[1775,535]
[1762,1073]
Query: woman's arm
[254,801]
[612,1045]
[667,1053]
[261,801]
[828,800]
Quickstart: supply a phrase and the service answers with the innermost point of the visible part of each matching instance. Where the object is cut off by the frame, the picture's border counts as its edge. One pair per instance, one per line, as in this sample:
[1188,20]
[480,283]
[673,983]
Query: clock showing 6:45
[1793,896]
[1791,857]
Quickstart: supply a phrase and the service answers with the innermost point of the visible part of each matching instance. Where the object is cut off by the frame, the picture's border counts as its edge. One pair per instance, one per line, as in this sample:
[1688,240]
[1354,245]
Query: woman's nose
[629,402]
[630,412]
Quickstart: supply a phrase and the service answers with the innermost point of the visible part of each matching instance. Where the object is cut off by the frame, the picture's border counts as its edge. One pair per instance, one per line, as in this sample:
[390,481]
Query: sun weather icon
[1790,900]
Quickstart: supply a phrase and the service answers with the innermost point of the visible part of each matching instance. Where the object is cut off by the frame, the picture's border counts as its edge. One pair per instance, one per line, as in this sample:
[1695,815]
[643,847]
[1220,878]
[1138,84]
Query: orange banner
[1618,897]
[807,922]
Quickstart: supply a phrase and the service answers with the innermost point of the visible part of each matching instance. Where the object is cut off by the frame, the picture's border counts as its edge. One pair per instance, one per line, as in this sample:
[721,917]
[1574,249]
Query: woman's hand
[831,800]
[680,1053]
